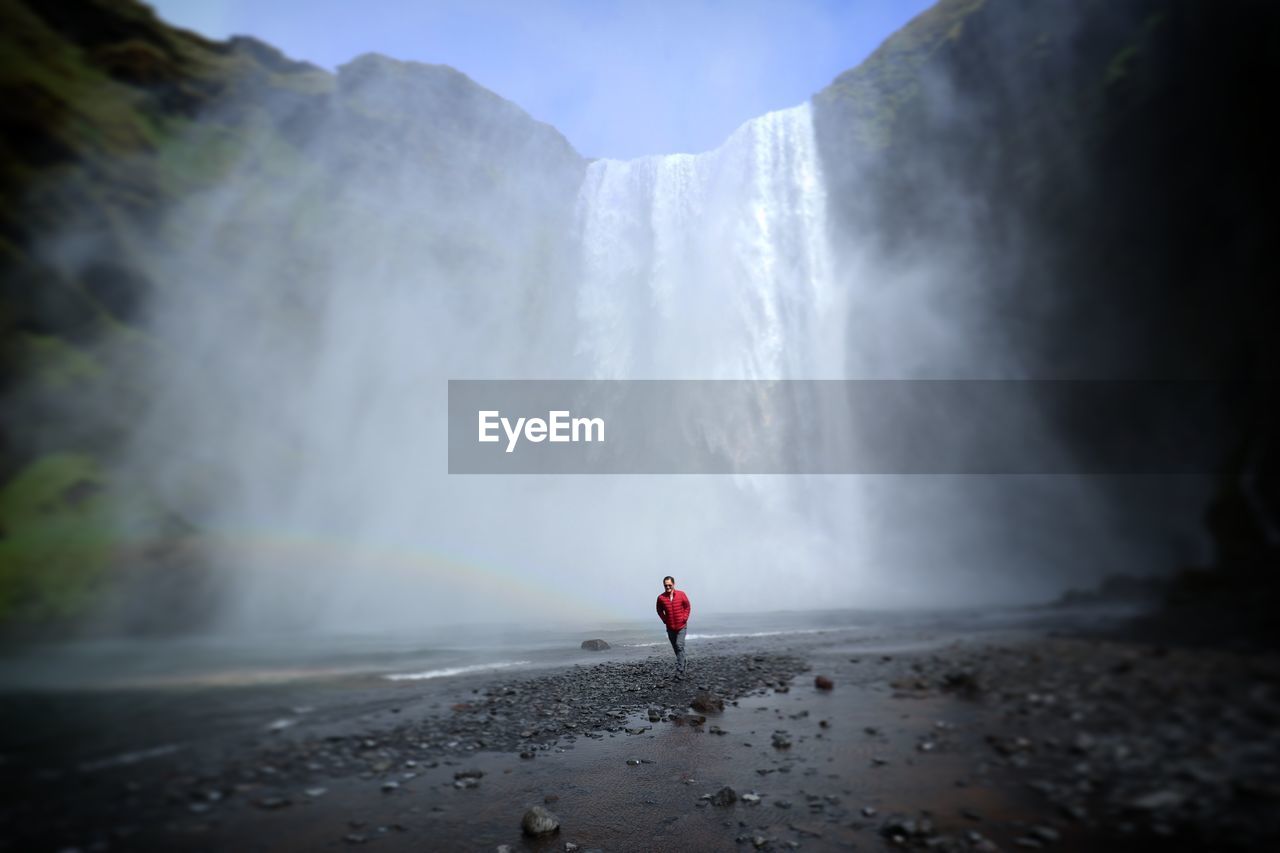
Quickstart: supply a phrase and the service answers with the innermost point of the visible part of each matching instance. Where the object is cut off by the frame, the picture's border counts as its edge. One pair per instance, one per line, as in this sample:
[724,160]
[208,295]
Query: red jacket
[674,611]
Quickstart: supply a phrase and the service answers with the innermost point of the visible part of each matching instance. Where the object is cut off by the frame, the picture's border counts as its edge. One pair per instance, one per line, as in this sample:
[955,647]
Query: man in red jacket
[673,610]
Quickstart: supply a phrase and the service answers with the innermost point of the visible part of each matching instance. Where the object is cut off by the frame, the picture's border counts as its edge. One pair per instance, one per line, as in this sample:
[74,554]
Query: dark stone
[595,645]
[707,702]
[823,683]
[272,802]
[539,821]
[726,796]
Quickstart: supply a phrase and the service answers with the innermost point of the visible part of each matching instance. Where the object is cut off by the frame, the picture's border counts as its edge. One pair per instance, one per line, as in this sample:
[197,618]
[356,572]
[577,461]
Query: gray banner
[838,427]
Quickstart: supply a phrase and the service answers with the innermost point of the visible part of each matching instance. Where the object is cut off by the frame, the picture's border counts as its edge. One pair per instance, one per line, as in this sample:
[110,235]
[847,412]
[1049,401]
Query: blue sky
[618,79]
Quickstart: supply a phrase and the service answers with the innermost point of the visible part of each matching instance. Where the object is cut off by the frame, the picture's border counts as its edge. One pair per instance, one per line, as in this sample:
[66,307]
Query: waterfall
[713,265]
[299,411]
[717,266]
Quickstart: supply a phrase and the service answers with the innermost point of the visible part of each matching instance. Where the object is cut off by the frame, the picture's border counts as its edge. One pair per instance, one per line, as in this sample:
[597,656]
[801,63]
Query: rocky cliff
[1102,172]
[113,123]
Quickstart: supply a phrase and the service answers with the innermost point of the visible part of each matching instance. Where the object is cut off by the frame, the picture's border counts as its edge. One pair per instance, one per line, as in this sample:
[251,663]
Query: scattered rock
[466,782]
[707,703]
[726,796]
[1047,834]
[271,803]
[823,683]
[961,681]
[539,821]
[1166,798]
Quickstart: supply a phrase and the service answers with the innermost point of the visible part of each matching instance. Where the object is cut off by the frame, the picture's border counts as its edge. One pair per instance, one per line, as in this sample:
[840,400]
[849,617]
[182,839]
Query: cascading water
[299,414]
[711,266]
[717,266]
[299,411]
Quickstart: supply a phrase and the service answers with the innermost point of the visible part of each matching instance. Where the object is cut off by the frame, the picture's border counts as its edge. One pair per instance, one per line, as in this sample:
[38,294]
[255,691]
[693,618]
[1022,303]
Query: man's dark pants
[677,643]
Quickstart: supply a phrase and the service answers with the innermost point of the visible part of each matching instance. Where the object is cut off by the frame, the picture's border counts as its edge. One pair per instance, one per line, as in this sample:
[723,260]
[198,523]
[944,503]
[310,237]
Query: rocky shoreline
[976,743]
[1149,745]
[531,716]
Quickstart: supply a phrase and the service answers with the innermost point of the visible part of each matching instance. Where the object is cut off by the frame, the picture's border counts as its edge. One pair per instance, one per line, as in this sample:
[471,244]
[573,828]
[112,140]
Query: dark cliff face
[1105,160]
[114,124]
[1107,172]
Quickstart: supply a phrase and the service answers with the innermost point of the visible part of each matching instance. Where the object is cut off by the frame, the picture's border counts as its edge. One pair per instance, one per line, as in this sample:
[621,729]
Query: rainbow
[266,548]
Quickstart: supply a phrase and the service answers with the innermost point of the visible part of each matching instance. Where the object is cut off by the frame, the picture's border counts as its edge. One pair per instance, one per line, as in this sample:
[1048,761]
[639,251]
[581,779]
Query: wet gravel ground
[131,802]
[1149,746]
[982,744]
[532,715]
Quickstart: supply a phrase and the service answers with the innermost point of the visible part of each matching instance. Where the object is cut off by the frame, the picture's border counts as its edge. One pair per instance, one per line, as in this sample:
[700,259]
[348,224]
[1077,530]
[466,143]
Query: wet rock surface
[385,749]
[533,715]
[1041,743]
[539,821]
[1144,745]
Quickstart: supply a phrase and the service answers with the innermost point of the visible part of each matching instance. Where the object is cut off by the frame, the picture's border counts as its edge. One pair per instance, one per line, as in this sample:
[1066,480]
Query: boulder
[595,645]
[539,821]
[707,702]
[726,796]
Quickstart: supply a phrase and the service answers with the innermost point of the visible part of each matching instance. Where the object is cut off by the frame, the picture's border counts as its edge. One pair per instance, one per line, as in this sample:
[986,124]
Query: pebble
[1047,834]
[539,821]
[707,702]
[271,802]
[726,796]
